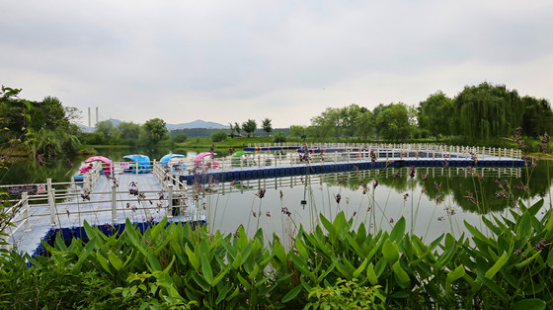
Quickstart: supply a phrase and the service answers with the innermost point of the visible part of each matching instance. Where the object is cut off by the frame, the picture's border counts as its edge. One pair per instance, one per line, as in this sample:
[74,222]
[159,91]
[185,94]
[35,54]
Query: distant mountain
[194,124]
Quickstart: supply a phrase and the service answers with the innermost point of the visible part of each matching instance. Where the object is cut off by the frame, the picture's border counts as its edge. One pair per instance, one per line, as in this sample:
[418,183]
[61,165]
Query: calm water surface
[432,200]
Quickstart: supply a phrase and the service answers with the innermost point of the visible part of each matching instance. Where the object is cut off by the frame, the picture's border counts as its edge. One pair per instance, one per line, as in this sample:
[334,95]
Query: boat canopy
[142,160]
[165,159]
[199,158]
[106,170]
[240,153]
[238,160]
[98,158]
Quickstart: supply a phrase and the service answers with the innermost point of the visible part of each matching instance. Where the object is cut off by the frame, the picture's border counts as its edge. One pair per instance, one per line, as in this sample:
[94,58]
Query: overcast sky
[228,61]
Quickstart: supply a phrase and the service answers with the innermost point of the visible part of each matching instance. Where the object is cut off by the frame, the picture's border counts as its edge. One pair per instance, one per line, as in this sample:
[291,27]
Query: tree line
[478,114]
[482,114]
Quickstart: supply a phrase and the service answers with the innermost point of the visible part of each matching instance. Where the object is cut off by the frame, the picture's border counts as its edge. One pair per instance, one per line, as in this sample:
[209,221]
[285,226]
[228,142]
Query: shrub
[180,138]
[218,136]
[279,137]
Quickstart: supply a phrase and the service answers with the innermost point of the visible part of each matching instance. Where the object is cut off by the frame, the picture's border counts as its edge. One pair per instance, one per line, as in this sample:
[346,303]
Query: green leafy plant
[346,295]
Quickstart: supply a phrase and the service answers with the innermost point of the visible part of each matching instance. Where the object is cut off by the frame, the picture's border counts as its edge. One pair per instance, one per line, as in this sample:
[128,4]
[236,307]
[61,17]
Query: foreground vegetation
[334,265]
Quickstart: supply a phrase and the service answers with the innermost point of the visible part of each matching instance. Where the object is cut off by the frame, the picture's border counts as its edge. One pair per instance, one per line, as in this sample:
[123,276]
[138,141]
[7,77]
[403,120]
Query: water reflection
[433,201]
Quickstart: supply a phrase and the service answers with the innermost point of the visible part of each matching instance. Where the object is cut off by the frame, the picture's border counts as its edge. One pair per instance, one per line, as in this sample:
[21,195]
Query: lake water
[432,200]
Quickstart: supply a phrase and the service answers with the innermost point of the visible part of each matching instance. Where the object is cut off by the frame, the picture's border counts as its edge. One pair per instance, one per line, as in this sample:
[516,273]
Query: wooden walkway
[106,204]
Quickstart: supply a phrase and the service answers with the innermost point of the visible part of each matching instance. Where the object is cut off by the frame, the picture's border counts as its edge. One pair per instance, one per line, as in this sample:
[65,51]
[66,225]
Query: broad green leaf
[550,259]
[115,261]
[400,273]
[530,304]
[254,272]
[535,208]
[234,294]
[244,282]
[158,228]
[292,294]
[498,265]
[206,270]
[398,231]
[492,286]
[200,281]
[371,275]
[390,251]
[446,257]
[477,235]
[220,276]
[361,268]
[455,274]
[83,255]
[301,249]
[194,261]
[342,268]
[154,262]
[103,262]
[524,228]
[222,293]
[528,260]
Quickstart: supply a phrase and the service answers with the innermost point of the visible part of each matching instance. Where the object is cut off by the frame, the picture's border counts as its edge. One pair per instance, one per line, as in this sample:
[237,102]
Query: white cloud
[286,60]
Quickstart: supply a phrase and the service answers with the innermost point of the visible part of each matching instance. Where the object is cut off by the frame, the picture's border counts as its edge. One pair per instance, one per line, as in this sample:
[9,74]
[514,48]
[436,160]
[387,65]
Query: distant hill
[194,124]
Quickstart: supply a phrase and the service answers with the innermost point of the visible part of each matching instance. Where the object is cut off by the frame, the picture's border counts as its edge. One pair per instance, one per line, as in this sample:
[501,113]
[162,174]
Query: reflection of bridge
[149,197]
[254,185]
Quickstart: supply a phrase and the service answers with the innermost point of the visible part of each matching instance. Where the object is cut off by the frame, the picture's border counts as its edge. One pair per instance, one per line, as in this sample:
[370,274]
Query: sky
[230,61]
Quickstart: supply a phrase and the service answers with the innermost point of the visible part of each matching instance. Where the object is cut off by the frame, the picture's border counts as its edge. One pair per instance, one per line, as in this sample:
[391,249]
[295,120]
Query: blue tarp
[143,163]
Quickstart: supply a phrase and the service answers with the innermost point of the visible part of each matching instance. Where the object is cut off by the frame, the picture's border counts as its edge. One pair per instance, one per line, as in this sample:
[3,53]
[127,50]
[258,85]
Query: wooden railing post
[51,201]
[113,204]
[25,199]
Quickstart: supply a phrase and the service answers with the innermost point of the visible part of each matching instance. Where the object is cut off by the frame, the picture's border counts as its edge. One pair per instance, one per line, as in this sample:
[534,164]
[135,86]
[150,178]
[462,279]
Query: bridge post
[51,201]
[113,204]
[170,201]
[25,199]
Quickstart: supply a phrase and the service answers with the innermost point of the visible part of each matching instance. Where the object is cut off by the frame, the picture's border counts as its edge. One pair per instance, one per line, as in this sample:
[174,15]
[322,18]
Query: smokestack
[89,129]
[96,116]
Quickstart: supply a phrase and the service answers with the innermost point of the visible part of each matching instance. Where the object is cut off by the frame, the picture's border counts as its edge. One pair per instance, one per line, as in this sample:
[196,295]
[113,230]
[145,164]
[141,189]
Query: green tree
[249,127]
[154,131]
[364,124]
[266,124]
[326,123]
[487,112]
[435,114]
[129,132]
[393,122]
[296,130]
[105,127]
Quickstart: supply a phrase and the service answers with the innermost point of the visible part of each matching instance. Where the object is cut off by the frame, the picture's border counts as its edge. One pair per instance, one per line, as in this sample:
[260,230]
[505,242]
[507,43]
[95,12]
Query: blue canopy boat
[173,161]
[143,162]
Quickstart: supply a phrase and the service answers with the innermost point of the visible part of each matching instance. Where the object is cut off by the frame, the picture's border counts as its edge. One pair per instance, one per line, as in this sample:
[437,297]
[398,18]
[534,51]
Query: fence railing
[60,196]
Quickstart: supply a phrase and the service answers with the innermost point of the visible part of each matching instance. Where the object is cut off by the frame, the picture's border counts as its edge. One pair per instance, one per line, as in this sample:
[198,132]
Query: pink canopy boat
[89,160]
[199,162]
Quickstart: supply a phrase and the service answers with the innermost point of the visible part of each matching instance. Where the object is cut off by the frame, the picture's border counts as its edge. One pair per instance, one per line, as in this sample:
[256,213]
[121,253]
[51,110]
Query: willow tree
[538,117]
[486,111]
